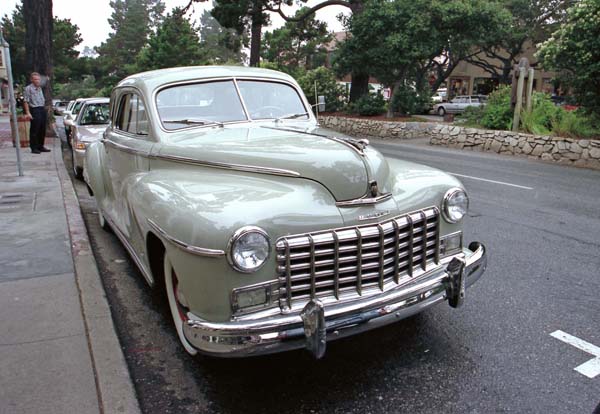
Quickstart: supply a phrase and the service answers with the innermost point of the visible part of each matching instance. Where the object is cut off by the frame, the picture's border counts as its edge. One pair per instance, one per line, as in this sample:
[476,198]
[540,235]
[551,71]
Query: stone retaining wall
[565,151]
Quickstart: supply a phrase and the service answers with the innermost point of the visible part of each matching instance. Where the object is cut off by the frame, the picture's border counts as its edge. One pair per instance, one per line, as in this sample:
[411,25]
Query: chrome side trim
[228,166]
[138,262]
[124,148]
[199,251]
[364,201]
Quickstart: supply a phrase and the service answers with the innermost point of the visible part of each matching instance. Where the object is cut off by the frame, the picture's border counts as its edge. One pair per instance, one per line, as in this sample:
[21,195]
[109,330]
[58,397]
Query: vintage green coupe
[267,232]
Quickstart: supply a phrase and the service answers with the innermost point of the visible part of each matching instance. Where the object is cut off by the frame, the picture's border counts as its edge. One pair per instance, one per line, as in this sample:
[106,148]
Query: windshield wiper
[194,122]
[291,116]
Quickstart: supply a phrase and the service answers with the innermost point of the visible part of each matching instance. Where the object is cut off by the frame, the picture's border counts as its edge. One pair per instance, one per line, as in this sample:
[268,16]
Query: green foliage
[369,105]
[85,87]
[132,21]
[574,51]
[472,116]
[408,101]
[297,44]
[335,95]
[175,43]
[543,114]
[575,124]
[221,45]
[64,40]
[498,113]
[401,41]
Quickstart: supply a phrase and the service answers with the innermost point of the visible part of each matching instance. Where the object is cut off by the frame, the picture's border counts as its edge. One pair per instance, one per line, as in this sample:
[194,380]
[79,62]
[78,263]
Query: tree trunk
[256,34]
[360,85]
[38,41]
[360,80]
[38,48]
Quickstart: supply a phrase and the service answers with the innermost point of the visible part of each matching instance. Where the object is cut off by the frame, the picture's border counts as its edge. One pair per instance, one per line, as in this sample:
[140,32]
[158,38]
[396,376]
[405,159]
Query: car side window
[132,116]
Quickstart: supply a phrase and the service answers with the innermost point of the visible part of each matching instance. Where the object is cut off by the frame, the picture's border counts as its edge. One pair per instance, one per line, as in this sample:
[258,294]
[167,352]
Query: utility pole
[12,102]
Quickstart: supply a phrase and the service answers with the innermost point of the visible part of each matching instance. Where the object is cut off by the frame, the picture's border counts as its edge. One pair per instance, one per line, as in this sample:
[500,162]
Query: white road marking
[590,368]
[493,181]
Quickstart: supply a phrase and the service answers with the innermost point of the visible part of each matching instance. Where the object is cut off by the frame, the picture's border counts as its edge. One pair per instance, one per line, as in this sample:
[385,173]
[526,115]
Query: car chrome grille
[359,260]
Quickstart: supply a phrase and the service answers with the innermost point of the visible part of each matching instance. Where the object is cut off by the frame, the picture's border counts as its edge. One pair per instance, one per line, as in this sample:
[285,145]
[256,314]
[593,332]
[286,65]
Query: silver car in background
[458,104]
[90,124]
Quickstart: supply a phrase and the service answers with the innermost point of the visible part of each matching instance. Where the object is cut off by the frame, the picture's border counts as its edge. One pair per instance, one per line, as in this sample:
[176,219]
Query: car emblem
[373,215]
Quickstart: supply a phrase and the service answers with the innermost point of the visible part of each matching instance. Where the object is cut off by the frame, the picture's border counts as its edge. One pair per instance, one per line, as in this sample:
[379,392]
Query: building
[3,84]
[469,79]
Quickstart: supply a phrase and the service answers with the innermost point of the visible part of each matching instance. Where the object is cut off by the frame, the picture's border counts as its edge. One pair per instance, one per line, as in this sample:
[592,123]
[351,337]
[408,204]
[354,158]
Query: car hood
[88,133]
[311,153]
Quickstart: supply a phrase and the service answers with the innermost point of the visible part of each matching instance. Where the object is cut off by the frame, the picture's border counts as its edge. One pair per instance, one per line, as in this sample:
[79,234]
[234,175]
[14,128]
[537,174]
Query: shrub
[575,124]
[472,115]
[369,105]
[497,113]
[543,113]
[408,101]
[335,95]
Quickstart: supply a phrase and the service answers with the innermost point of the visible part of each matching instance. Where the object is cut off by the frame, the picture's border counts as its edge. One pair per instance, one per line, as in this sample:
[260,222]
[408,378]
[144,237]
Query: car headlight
[455,205]
[248,249]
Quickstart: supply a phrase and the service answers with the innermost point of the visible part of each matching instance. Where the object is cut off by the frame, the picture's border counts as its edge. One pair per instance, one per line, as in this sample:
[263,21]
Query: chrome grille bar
[336,265]
[357,260]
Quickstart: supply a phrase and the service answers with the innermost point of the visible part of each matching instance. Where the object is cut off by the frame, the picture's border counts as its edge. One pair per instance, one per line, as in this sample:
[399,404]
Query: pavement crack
[56,338]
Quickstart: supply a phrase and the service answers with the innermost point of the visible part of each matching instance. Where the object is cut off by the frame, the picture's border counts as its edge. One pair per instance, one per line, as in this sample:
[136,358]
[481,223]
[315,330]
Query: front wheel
[441,111]
[77,171]
[177,304]
[101,220]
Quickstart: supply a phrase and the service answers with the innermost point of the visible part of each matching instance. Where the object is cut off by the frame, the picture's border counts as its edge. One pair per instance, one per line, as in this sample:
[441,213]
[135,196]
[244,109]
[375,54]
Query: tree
[14,33]
[240,14]
[220,44]
[175,43]
[66,38]
[132,21]
[297,44]
[400,41]
[38,41]
[532,20]
[574,51]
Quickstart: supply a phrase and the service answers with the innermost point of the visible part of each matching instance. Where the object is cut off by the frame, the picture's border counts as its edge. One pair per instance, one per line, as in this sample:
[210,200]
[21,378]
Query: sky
[92,15]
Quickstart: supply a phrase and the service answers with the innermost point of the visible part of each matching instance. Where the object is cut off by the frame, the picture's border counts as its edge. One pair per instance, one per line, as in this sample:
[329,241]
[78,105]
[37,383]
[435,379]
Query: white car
[90,124]
[459,104]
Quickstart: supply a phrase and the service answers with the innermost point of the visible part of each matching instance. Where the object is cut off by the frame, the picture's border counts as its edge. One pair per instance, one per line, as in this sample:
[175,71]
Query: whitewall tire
[177,310]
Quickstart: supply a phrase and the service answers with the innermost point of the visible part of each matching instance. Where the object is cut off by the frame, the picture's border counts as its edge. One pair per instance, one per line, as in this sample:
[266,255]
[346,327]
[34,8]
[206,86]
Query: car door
[127,143]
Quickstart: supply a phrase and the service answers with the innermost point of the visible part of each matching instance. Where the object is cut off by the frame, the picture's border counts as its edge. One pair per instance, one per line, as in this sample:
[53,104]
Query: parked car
[267,232]
[459,104]
[88,127]
[69,116]
[439,96]
[59,107]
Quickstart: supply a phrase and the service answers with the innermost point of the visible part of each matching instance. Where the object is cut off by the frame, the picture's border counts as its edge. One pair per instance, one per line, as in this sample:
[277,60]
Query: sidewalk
[59,352]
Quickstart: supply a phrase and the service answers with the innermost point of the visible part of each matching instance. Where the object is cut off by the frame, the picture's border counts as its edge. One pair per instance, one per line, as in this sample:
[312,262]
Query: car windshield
[217,102]
[267,100]
[199,104]
[95,114]
[77,107]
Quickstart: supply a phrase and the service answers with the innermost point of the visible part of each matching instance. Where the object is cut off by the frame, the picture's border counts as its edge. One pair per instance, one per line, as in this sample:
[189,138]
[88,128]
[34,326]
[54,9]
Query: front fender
[204,207]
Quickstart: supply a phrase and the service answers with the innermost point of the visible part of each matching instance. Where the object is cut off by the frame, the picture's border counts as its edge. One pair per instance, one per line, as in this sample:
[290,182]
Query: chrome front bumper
[316,325]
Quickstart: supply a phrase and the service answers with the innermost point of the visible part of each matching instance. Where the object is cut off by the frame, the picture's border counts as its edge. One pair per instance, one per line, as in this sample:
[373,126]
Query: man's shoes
[43,149]
[34,151]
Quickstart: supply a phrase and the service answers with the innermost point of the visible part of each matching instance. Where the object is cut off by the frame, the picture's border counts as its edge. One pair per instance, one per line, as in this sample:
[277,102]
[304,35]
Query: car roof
[153,79]
[97,100]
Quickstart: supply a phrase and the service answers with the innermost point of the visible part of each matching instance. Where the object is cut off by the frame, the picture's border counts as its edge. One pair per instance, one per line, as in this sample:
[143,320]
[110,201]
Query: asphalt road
[541,225]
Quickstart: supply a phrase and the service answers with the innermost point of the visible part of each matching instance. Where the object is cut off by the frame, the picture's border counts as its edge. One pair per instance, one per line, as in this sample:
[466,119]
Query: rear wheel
[441,111]
[177,304]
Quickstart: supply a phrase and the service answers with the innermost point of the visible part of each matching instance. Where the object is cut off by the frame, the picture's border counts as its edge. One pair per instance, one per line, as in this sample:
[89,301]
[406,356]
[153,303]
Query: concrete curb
[116,392]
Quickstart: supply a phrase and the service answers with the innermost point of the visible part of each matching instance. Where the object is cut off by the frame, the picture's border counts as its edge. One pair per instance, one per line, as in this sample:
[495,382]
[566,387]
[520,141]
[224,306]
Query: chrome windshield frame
[235,79]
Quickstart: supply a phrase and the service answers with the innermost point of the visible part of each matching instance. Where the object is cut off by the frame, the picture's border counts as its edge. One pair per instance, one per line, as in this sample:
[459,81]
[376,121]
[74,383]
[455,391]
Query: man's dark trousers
[37,131]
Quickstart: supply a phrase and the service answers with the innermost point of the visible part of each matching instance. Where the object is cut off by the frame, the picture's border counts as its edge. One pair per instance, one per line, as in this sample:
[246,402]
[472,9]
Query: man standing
[36,113]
